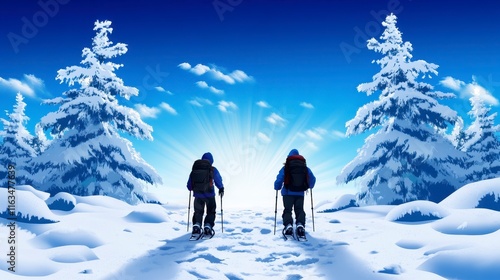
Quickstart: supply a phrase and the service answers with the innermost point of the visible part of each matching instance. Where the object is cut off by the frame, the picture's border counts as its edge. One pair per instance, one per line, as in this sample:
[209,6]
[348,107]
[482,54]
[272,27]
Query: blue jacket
[217,179]
[278,184]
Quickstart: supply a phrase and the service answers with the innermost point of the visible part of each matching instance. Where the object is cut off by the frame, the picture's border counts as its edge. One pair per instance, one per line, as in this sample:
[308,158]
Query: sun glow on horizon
[248,151]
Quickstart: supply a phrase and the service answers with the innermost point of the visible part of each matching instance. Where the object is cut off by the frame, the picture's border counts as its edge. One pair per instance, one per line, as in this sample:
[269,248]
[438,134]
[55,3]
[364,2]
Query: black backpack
[202,175]
[296,174]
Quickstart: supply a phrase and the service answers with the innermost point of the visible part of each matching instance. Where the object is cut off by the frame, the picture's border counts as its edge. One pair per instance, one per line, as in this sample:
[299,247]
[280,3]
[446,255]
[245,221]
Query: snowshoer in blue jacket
[293,179]
[205,198]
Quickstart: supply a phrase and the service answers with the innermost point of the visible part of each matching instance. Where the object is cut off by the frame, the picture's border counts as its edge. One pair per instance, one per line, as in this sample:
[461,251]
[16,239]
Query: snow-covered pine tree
[87,155]
[16,148]
[481,143]
[408,158]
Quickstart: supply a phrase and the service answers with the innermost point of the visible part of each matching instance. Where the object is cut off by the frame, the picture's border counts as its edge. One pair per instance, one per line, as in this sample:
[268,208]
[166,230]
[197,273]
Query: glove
[221,192]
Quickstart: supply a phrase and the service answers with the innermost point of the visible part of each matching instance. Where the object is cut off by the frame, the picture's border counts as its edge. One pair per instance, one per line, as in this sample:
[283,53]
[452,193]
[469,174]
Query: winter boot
[301,231]
[208,232]
[196,230]
[288,230]
[196,233]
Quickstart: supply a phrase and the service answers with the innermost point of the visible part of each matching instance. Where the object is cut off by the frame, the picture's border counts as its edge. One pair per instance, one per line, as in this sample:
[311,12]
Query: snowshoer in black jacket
[201,182]
[293,180]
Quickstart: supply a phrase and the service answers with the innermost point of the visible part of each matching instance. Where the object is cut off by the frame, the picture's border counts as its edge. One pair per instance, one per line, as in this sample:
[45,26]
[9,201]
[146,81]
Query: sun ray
[247,163]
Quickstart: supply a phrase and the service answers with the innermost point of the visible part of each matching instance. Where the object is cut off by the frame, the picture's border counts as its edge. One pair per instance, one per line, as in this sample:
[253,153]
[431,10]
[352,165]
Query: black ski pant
[297,203]
[199,210]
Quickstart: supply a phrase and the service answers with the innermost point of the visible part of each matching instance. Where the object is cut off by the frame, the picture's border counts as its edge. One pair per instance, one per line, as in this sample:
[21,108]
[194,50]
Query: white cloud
[307,105]
[200,69]
[147,112]
[312,146]
[29,85]
[312,134]
[263,104]
[237,76]
[321,130]
[30,78]
[452,83]
[469,90]
[152,112]
[263,137]
[219,76]
[474,89]
[276,119]
[168,108]
[203,84]
[338,134]
[184,66]
[240,76]
[16,85]
[216,91]
[200,102]
[225,105]
[160,89]
[195,103]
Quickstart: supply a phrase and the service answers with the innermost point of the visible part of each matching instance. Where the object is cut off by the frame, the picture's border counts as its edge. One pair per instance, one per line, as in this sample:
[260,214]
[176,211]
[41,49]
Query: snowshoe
[301,233]
[196,234]
[288,232]
[208,233]
[195,237]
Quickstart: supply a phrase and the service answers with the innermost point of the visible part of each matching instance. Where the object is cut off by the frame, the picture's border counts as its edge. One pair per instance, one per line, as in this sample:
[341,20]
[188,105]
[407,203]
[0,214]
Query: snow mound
[147,213]
[469,222]
[42,195]
[469,263]
[101,200]
[31,262]
[32,267]
[482,194]
[71,254]
[65,237]
[417,211]
[345,201]
[29,207]
[410,244]
[62,201]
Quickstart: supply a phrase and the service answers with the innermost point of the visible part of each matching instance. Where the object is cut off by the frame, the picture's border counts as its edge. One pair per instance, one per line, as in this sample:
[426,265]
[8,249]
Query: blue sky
[246,80]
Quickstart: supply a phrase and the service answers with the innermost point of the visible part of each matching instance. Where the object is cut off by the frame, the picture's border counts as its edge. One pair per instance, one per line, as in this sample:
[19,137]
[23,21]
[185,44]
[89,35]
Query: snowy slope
[103,238]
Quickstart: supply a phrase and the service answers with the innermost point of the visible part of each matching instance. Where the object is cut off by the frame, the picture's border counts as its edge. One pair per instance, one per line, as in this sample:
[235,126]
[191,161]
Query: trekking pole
[312,208]
[275,211]
[189,208]
[221,214]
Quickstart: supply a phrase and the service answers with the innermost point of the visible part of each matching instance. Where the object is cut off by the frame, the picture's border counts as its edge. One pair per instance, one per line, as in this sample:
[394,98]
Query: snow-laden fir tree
[408,158]
[480,142]
[87,155]
[17,145]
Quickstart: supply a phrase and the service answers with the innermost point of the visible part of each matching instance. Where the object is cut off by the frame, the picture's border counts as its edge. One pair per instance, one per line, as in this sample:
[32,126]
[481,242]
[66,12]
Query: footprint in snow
[307,261]
[265,231]
[209,257]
